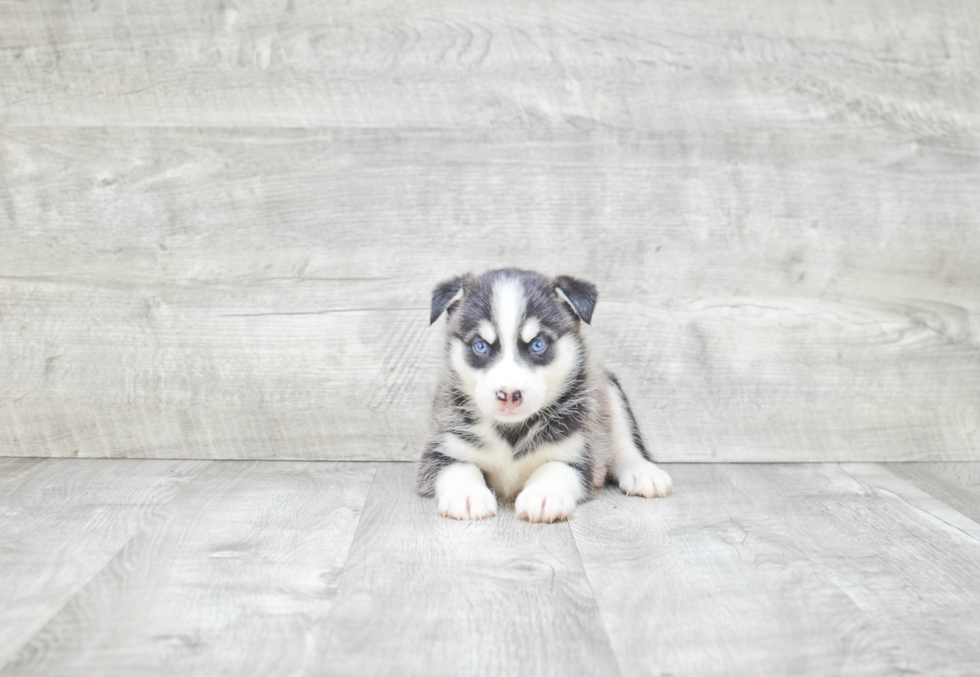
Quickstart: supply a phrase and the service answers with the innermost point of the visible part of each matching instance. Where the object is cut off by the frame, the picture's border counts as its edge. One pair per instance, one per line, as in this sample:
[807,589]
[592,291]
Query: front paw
[645,479]
[471,503]
[539,506]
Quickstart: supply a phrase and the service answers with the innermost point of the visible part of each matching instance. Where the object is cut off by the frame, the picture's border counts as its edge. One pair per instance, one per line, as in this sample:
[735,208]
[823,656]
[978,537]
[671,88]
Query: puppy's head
[514,337]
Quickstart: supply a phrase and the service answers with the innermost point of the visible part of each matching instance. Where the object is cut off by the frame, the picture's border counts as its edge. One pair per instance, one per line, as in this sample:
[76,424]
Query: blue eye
[480,347]
[538,345]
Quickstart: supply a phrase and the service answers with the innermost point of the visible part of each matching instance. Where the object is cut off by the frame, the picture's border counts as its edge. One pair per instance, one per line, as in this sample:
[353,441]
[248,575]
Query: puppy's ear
[579,294]
[447,294]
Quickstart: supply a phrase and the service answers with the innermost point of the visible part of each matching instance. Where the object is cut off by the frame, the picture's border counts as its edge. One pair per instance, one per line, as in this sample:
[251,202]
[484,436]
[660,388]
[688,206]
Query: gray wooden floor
[123,567]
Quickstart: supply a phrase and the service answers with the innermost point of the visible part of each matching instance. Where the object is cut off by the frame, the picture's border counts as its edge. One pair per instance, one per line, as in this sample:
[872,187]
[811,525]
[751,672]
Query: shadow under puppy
[521,409]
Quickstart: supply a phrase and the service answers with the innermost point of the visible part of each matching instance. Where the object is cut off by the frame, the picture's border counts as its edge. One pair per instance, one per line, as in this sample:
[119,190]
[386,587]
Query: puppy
[520,409]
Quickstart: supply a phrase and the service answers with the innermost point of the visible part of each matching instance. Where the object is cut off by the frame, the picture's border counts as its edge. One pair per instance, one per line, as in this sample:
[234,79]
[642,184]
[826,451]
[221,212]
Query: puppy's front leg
[550,493]
[460,489]
[462,493]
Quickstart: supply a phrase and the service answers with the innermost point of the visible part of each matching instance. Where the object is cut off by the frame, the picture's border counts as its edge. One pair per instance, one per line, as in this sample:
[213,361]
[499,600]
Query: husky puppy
[521,410]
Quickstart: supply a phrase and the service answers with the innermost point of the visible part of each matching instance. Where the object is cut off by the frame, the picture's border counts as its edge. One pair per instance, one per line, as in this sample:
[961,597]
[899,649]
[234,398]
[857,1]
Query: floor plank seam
[912,505]
[595,600]
[935,498]
[358,534]
[358,529]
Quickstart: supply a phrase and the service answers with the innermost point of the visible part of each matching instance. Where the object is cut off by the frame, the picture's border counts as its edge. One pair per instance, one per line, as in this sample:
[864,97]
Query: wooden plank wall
[220,221]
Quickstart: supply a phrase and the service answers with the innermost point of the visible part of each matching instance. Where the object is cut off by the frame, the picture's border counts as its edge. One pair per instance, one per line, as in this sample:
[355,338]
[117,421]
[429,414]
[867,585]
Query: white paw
[539,506]
[645,479]
[471,503]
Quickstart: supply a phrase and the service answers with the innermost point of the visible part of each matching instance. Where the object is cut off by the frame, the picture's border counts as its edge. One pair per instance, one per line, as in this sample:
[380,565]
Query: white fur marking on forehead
[530,329]
[508,308]
[487,332]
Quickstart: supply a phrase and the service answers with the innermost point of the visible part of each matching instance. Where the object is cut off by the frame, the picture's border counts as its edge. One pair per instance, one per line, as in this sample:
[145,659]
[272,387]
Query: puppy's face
[513,338]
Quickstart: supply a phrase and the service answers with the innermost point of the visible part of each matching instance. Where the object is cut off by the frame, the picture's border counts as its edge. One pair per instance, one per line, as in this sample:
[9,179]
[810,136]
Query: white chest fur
[507,475]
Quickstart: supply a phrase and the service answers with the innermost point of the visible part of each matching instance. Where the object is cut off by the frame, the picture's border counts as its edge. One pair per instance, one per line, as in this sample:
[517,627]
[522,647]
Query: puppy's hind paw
[645,479]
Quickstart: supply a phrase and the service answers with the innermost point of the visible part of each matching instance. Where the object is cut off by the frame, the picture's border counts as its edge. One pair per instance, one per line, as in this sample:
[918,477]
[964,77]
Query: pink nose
[509,398]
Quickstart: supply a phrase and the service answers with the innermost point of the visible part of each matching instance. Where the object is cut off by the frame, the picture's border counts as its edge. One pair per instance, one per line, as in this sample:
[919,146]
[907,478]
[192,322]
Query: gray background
[220,222]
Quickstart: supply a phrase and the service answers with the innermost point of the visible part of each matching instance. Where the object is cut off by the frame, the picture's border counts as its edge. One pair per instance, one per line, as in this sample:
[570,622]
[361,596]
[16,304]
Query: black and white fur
[542,424]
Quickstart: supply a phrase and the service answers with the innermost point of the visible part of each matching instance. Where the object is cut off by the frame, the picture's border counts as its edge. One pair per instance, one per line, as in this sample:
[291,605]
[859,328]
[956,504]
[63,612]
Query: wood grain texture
[956,484]
[423,595]
[125,567]
[785,569]
[219,223]
[448,64]
[60,523]
[232,579]
[803,295]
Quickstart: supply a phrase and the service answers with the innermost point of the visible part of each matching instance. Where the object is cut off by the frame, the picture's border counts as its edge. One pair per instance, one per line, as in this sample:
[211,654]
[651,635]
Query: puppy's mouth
[512,414]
